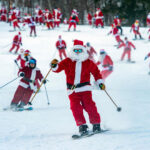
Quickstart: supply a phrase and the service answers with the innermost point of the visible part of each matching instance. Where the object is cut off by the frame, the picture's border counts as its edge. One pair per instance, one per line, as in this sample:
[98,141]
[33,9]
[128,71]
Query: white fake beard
[78,57]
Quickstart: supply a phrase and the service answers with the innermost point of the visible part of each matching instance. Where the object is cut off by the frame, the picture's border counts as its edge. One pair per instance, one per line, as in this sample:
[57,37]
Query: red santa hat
[19,33]
[78,45]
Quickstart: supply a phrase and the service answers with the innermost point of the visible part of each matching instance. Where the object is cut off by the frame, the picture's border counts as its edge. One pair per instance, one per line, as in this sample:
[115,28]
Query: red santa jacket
[89,17]
[31,22]
[98,15]
[23,61]
[127,45]
[56,15]
[40,12]
[30,74]
[117,22]
[74,19]
[79,72]
[106,63]
[49,17]
[148,20]
[17,39]
[114,31]
[14,17]
[61,44]
[3,11]
[135,28]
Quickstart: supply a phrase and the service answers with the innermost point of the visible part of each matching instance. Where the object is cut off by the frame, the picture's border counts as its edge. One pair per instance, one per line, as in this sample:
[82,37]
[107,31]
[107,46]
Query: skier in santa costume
[73,20]
[117,23]
[99,18]
[135,27]
[114,31]
[27,85]
[106,64]
[61,46]
[3,13]
[78,69]
[91,51]
[148,20]
[127,49]
[147,56]
[17,41]
[89,18]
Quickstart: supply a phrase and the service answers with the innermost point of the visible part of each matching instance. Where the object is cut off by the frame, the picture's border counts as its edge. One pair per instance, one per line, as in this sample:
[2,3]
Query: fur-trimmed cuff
[55,69]
[100,81]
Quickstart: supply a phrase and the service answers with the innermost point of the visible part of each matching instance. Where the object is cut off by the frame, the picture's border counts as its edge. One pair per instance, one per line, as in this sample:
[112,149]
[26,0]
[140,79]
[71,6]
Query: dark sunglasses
[102,53]
[77,50]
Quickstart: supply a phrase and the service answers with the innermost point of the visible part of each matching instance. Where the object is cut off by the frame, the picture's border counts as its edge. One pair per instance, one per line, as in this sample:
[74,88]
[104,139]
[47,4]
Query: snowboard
[89,134]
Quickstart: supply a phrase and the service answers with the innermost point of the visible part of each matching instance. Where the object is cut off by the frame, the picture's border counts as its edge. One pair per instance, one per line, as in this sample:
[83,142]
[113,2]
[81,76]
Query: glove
[134,48]
[110,68]
[15,61]
[44,81]
[22,74]
[54,63]
[21,44]
[102,86]
[26,58]
[145,57]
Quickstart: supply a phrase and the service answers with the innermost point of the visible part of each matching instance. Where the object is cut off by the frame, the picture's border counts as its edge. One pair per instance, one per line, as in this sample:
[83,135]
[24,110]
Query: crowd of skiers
[78,65]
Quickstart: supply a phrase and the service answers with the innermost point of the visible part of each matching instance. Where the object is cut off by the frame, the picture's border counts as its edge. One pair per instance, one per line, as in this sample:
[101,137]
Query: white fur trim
[78,69]
[81,89]
[33,76]
[55,69]
[99,81]
[23,84]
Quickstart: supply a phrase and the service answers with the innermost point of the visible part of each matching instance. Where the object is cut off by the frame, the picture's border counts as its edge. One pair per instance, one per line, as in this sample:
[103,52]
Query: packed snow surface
[51,127]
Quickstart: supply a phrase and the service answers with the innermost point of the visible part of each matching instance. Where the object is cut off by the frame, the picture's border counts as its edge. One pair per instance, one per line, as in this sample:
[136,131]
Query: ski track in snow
[51,127]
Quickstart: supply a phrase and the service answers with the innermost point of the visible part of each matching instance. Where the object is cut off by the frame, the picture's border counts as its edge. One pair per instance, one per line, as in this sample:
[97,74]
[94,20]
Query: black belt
[72,87]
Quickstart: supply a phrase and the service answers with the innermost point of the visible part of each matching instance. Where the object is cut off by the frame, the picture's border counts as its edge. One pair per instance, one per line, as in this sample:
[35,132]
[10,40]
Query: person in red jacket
[78,69]
[14,19]
[91,51]
[61,46]
[99,18]
[3,14]
[27,85]
[89,18]
[73,20]
[49,19]
[135,27]
[148,20]
[127,49]
[117,23]
[57,16]
[17,41]
[114,31]
[106,64]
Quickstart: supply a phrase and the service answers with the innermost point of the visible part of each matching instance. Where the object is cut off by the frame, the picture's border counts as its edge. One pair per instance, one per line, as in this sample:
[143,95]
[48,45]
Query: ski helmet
[32,61]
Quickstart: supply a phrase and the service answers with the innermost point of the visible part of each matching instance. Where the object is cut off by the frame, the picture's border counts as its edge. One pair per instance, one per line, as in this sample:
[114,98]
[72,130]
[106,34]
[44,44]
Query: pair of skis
[18,109]
[89,134]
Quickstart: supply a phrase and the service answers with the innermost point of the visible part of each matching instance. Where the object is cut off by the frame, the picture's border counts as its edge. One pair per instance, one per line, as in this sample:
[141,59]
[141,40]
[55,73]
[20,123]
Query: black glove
[15,61]
[22,74]
[110,68]
[44,81]
[102,86]
[21,44]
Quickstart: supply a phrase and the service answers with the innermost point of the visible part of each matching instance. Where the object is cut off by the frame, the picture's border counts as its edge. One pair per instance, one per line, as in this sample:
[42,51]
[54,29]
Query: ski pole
[46,94]
[9,82]
[16,64]
[30,103]
[118,108]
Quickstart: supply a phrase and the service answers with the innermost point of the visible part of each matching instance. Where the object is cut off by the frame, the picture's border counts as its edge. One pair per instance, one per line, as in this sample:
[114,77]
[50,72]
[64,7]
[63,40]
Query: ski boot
[21,106]
[83,129]
[13,106]
[96,128]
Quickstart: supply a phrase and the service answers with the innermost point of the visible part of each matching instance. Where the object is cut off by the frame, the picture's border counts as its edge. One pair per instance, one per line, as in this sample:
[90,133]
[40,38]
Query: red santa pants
[126,52]
[90,22]
[83,101]
[56,23]
[72,23]
[136,32]
[99,21]
[105,73]
[13,46]
[149,37]
[118,39]
[50,25]
[15,24]
[32,29]
[22,95]
[61,53]
[3,17]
